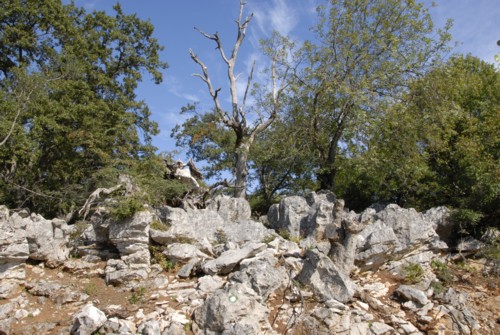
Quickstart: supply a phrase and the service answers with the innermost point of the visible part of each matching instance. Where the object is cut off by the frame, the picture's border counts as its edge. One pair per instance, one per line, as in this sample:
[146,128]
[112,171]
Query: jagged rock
[226,262]
[131,237]
[209,284]
[60,294]
[14,251]
[412,294]
[47,240]
[404,326]
[289,215]
[379,328]
[204,228]
[321,274]
[395,232]
[174,328]
[181,252]
[261,274]
[149,327]
[118,273]
[231,209]
[440,219]
[306,217]
[469,246]
[190,268]
[284,247]
[118,326]
[88,320]
[236,309]
[343,249]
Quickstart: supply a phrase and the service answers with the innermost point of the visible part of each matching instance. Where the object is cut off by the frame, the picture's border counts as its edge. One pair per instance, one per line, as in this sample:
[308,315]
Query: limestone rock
[88,320]
[412,294]
[261,274]
[47,240]
[321,274]
[181,252]
[231,209]
[236,309]
[226,262]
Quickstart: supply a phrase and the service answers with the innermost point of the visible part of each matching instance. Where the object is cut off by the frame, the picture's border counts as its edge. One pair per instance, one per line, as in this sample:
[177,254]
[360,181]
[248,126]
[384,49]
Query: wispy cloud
[475,27]
[279,16]
[174,87]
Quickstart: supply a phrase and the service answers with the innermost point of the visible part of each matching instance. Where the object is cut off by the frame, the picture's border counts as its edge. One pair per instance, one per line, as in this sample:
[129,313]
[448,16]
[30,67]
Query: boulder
[119,273]
[204,228]
[290,215]
[412,294]
[326,281]
[236,309]
[47,240]
[444,227]
[392,233]
[261,274]
[14,251]
[226,262]
[88,321]
[231,209]
[181,252]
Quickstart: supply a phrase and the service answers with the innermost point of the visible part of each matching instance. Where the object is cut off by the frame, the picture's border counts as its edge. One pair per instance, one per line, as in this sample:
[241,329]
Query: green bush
[442,271]
[466,220]
[413,273]
[137,295]
[126,208]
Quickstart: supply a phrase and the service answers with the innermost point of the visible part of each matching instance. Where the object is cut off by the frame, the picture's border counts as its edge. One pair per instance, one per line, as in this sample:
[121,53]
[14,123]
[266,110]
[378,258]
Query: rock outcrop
[316,269]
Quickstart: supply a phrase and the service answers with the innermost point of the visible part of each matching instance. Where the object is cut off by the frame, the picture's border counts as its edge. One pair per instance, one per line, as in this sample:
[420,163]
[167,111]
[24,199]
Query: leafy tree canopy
[67,97]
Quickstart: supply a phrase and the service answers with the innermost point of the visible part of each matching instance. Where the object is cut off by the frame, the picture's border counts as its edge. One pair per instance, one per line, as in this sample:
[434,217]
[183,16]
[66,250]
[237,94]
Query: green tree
[68,81]
[459,106]
[440,146]
[366,53]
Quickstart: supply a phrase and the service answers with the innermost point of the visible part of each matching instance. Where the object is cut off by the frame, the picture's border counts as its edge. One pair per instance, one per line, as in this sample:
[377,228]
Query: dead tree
[237,118]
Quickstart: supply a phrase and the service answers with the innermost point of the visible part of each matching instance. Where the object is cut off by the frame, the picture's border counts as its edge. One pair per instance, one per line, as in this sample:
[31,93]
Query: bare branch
[94,196]
[11,127]
[215,37]
[249,82]
[213,93]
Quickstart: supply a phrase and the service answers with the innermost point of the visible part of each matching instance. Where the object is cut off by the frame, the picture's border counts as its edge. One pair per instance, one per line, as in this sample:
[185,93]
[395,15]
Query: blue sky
[476,30]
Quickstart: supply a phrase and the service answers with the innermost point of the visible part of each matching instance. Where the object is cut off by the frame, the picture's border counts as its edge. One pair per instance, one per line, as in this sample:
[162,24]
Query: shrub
[442,271]
[413,273]
[137,295]
[158,225]
[125,208]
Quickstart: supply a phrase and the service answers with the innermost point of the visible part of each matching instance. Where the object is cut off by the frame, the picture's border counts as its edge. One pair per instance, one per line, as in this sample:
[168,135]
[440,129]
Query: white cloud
[175,88]
[280,17]
[476,25]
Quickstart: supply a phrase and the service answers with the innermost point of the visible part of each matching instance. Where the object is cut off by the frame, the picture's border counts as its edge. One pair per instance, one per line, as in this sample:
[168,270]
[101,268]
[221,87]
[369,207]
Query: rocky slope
[309,267]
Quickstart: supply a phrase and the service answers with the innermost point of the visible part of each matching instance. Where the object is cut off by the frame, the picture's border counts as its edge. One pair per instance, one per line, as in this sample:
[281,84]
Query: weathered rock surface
[322,275]
[47,240]
[231,209]
[236,309]
[88,321]
[235,276]
[228,260]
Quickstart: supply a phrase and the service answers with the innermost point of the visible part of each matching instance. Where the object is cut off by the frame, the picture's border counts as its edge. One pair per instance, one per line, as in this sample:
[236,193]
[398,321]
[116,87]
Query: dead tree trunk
[236,119]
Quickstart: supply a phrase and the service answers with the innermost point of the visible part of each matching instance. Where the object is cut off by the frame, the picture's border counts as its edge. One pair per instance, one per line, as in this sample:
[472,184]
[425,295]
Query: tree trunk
[328,172]
[241,172]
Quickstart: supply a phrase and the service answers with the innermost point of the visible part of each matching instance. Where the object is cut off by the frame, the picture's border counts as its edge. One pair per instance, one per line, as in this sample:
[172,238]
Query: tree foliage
[440,148]
[68,81]
[366,54]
